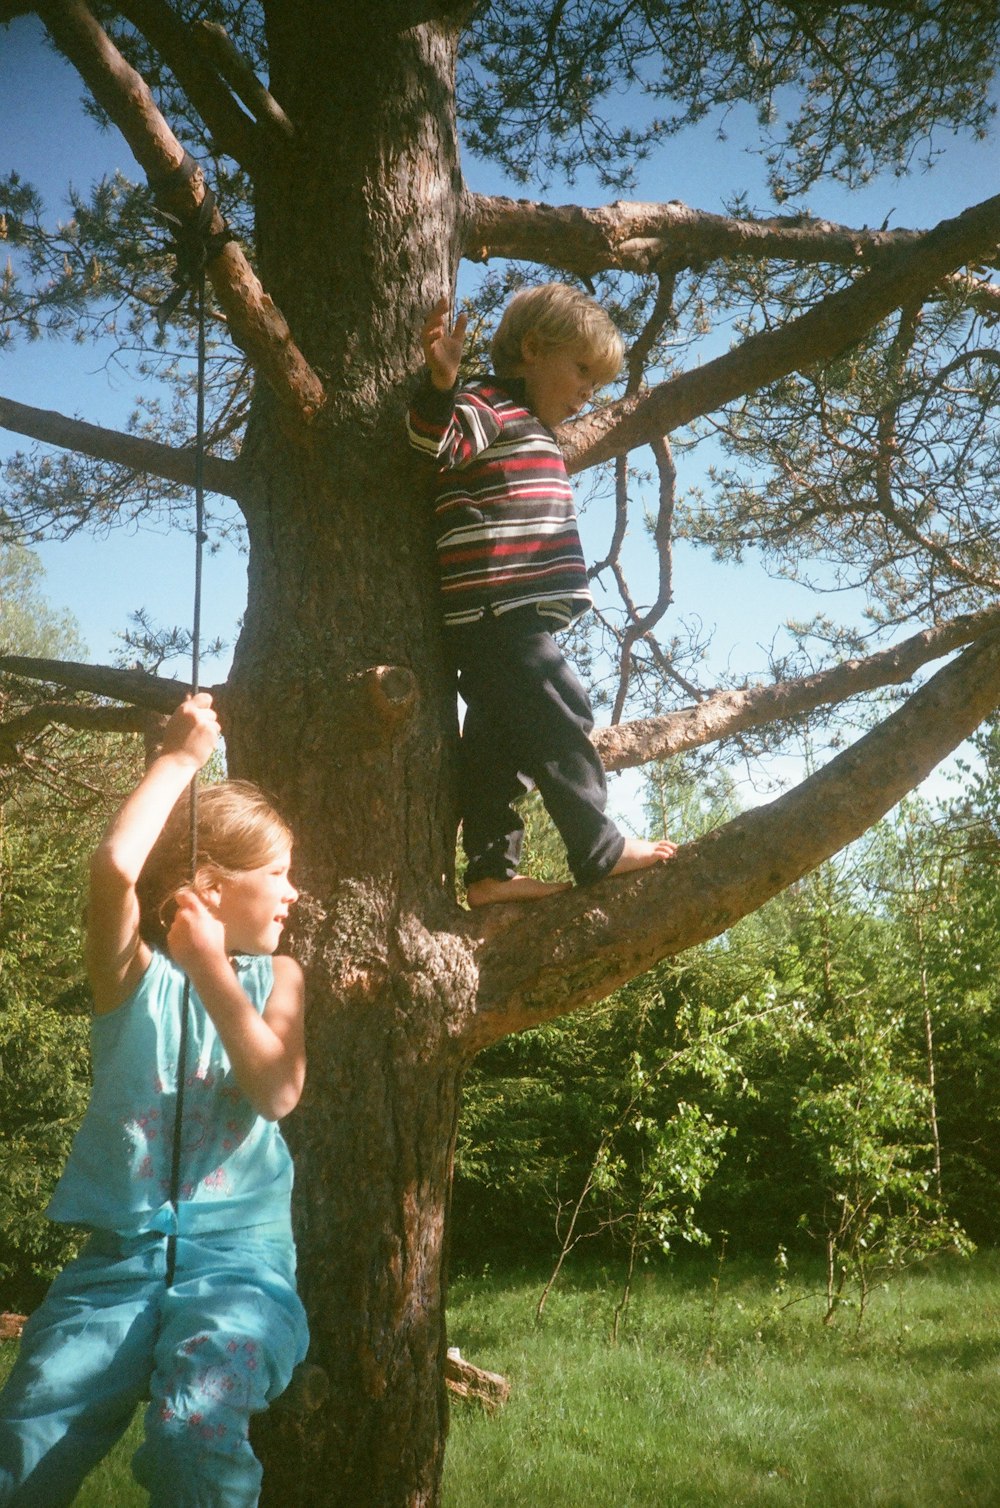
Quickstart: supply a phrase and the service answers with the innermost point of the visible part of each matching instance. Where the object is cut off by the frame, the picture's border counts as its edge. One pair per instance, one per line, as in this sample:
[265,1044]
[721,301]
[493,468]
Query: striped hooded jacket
[505,521]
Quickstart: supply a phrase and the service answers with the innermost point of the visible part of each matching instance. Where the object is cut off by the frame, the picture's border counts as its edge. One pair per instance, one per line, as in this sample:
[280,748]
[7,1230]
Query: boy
[512,570]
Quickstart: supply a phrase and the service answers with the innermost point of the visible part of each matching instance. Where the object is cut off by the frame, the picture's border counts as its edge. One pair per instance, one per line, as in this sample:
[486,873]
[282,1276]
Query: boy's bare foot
[640,853]
[521,887]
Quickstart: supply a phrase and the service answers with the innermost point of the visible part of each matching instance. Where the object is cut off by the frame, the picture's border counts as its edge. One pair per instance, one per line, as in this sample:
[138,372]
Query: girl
[189,1302]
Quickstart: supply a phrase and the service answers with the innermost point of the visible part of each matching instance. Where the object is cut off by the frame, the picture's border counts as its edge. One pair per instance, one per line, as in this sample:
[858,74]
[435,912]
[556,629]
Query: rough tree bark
[338,700]
[340,584]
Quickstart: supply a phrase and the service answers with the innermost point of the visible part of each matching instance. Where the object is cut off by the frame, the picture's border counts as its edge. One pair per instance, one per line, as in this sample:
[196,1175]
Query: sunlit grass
[720,1399]
[714,1395]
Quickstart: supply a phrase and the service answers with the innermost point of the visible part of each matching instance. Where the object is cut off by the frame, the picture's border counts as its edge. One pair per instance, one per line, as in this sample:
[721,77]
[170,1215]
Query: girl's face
[253,905]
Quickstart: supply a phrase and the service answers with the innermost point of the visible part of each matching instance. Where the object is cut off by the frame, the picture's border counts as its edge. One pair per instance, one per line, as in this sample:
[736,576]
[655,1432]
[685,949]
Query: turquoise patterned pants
[213,1349]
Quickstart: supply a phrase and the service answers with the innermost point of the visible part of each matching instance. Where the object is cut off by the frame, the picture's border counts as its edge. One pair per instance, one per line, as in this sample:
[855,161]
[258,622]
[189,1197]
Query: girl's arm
[116,956]
[267,1051]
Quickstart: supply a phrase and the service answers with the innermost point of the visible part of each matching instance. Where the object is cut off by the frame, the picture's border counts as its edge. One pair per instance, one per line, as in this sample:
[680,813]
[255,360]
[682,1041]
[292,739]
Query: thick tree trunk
[338,703]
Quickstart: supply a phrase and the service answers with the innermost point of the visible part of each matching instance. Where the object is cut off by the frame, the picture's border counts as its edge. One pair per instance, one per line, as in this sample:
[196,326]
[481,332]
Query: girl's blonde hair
[557,315]
[238,829]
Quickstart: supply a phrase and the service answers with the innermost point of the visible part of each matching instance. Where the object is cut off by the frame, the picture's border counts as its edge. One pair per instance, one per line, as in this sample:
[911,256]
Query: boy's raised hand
[443,344]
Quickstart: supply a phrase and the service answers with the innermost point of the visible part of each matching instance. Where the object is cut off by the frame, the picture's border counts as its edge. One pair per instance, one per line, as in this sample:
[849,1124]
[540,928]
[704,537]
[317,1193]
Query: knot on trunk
[389,693]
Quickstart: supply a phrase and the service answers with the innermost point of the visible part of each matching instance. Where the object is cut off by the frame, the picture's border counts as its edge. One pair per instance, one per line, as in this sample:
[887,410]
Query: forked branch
[216,46]
[233,130]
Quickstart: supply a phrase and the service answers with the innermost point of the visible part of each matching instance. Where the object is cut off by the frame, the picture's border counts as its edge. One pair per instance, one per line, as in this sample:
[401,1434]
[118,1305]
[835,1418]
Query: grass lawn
[713,1397]
[716,1399]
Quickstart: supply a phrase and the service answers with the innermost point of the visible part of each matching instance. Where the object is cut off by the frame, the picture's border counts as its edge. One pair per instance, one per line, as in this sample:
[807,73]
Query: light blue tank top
[235,1167]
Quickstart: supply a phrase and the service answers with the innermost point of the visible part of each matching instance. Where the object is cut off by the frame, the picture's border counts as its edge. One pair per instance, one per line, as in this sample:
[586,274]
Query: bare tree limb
[643,237]
[148,456]
[156,693]
[234,132]
[824,332]
[641,625]
[216,45]
[662,311]
[255,324]
[553,958]
[16,732]
[723,713]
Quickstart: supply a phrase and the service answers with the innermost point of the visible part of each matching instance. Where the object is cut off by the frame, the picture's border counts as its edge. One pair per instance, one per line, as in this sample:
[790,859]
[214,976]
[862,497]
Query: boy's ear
[530,347]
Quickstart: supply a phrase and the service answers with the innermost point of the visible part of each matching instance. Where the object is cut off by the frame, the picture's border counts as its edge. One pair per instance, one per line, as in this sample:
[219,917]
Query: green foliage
[28,625]
[868,85]
[44,1083]
[865,1123]
[44,1019]
[44,1034]
[825,1077]
[54,802]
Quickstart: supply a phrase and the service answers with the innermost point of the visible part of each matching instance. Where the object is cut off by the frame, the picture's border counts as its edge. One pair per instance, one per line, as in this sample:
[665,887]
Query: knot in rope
[194,243]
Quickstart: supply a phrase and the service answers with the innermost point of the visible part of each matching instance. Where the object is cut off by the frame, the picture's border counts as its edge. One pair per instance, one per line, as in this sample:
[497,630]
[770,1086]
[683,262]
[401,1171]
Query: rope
[194,242]
[194,245]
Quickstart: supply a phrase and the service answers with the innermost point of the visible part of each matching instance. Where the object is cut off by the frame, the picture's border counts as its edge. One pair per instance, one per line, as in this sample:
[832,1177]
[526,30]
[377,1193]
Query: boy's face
[558,380]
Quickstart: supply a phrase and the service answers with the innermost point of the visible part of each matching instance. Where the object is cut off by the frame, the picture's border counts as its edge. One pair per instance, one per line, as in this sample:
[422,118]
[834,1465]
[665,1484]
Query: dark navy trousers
[528,721]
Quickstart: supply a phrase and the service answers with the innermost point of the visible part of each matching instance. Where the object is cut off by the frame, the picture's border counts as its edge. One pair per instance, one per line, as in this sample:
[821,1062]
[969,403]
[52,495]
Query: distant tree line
[825,1078]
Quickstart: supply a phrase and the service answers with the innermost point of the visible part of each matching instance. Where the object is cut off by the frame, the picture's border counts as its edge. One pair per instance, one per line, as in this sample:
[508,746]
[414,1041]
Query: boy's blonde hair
[557,315]
[238,829]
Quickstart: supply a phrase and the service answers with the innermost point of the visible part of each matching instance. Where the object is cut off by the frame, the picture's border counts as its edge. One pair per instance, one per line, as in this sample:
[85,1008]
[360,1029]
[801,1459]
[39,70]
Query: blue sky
[50,141]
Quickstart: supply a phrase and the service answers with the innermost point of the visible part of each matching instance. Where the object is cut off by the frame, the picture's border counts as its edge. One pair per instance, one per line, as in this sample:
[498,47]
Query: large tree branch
[549,959]
[148,456]
[639,237]
[669,238]
[234,132]
[724,713]
[254,322]
[823,333]
[155,693]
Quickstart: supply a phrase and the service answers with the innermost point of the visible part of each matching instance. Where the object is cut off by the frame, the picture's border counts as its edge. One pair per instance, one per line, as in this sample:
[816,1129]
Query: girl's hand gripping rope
[196,934]
[116,954]
[192,731]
